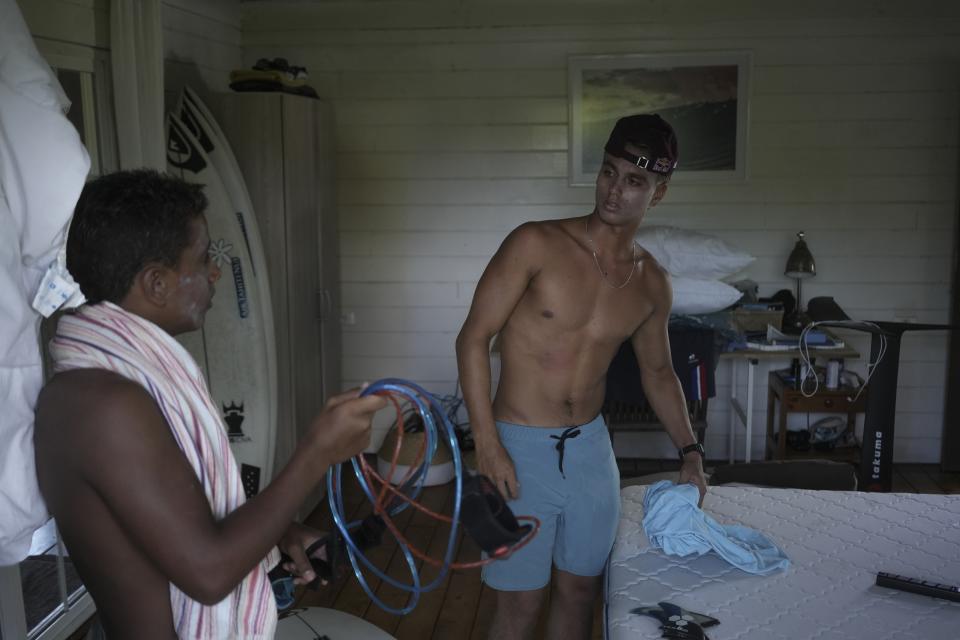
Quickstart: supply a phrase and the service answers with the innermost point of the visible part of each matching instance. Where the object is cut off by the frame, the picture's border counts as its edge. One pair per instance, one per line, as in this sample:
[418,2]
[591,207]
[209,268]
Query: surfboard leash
[477,505]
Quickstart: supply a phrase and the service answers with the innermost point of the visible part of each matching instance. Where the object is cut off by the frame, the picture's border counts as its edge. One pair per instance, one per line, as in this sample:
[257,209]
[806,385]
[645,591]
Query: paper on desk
[814,338]
[775,335]
[766,346]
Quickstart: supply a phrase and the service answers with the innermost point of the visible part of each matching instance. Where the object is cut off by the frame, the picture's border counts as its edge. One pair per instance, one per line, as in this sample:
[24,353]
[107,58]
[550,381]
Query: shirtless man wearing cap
[564,295]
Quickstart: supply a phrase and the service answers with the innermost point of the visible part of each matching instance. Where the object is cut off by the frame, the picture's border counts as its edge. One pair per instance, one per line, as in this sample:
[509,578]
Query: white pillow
[692,295]
[691,254]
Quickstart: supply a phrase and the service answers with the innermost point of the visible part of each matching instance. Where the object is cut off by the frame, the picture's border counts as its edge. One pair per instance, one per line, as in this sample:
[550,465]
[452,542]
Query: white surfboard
[192,112]
[200,121]
[233,346]
[311,623]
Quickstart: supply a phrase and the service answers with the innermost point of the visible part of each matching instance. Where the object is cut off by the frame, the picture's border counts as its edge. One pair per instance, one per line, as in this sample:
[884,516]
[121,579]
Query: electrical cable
[388,501]
[808,361]
[452,405]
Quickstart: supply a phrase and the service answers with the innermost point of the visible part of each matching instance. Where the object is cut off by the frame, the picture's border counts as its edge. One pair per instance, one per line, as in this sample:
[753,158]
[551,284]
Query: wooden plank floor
[460,608]
[924,478]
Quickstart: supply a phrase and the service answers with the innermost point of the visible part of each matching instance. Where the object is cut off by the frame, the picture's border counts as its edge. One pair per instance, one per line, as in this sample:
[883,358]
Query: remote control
[914,585]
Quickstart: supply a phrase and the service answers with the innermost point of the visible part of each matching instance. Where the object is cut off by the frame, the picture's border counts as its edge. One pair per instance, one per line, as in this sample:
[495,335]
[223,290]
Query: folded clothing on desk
[776,340]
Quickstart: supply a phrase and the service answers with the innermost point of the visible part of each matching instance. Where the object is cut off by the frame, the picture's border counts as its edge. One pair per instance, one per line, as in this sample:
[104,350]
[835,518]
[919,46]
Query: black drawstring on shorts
[570,432]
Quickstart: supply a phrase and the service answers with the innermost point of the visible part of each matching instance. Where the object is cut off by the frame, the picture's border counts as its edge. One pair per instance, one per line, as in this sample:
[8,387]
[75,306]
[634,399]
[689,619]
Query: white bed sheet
[837,541]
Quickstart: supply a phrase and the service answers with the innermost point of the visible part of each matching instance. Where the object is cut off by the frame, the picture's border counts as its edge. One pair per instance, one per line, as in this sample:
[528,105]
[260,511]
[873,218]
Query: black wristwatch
[691,448]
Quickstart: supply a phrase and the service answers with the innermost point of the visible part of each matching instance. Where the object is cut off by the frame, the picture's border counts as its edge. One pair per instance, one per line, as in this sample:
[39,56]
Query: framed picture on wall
[704,96]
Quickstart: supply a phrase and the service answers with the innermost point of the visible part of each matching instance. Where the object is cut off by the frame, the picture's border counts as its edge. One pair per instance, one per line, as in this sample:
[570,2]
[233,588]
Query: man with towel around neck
[132,456]
[563,295]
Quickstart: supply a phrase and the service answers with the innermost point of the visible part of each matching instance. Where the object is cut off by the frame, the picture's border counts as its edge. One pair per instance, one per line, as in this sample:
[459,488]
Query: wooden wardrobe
[284,145]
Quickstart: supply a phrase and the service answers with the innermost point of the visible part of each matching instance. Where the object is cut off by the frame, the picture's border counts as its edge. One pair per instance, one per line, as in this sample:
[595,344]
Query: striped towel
[104,336]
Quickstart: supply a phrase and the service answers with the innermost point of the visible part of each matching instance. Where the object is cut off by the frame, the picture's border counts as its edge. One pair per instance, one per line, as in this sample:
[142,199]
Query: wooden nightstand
[791,400]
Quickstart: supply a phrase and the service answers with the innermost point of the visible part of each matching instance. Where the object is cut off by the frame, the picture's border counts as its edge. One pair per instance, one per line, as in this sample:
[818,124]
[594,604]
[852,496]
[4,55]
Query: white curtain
[42,169]
[136,53]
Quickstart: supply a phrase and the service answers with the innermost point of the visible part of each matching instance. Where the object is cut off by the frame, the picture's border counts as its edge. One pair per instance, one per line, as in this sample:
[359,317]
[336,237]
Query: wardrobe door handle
[325,300]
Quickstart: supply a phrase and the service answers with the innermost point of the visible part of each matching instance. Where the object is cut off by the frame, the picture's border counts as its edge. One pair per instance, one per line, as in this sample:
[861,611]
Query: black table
[876,448]
[876,453]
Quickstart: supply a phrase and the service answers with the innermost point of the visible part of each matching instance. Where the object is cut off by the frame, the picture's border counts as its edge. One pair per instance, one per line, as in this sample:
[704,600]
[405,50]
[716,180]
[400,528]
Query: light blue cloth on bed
[673,522]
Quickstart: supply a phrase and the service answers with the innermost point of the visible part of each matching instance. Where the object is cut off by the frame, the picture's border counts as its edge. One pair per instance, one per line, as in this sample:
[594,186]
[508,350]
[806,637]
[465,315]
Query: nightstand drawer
[819,403]
[824,401]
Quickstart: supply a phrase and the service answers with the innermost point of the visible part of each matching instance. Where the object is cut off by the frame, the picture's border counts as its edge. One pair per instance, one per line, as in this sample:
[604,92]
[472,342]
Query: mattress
[837,541]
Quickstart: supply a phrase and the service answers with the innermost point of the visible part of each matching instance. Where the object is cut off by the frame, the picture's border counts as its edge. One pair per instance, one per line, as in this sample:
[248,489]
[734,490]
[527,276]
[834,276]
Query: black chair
[694,353]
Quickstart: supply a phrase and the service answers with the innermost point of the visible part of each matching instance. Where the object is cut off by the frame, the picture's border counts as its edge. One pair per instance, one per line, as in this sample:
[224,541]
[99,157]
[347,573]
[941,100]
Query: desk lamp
[800,265]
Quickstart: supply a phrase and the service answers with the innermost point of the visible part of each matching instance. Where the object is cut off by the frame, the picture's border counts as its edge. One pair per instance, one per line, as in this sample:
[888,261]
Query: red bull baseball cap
[651,134]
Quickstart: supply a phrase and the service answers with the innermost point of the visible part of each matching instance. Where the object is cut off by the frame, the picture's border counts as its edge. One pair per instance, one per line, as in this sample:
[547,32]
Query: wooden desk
[839,400]
[752,358]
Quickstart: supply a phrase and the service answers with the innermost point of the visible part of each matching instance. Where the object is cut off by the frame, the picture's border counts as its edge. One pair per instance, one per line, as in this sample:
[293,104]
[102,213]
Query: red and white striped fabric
[104,336]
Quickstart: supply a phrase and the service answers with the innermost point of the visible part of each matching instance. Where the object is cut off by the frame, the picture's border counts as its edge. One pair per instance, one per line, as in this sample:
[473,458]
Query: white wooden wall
[201,37]
[201,41]
[452,130]
[80,22]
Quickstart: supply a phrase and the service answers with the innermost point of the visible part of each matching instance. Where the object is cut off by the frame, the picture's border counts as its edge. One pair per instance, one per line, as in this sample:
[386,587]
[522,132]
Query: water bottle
[833,374]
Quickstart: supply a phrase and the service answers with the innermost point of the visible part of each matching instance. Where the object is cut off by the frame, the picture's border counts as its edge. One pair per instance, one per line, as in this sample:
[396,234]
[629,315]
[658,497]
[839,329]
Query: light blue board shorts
[578,507]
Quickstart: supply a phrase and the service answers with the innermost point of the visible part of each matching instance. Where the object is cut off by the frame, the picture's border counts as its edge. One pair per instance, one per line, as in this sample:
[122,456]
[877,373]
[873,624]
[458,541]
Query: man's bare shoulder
[532,231]
[545,233]
[90,399]
[650,266]
[526,244]
[88,384]
[654,278]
